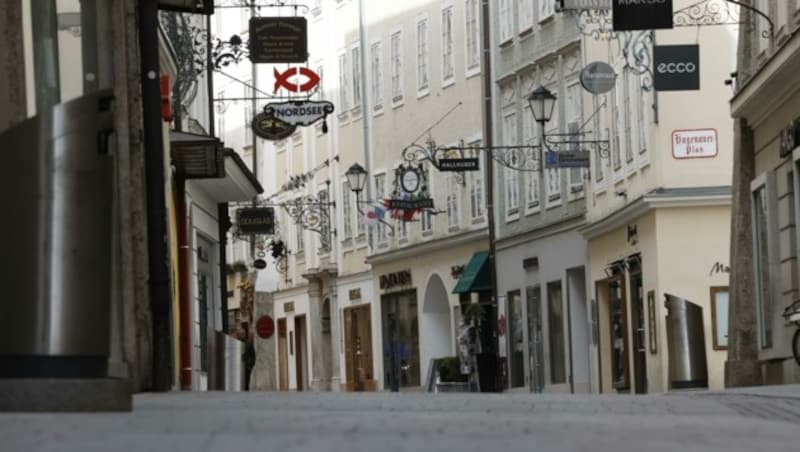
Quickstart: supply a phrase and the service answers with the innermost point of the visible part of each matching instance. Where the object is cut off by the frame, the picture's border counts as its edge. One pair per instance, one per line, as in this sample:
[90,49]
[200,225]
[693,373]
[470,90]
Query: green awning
[476,276]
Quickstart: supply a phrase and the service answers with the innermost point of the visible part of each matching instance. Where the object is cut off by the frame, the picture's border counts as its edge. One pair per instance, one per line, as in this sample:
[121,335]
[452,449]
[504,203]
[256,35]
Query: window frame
[553,199]
[376,67]
[476,183]
[344,101]
[714,309]
[530,136]
[355,66]
[396,60]
[453,203]
[768,182]
[347,208]
[510,176]
[423,57]
[546,12]
[472,67]
[526,5]
[448,79]
[506,19]
[381,235]
[575,189]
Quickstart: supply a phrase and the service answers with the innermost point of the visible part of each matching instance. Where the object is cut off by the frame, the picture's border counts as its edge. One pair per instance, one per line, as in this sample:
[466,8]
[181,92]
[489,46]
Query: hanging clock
[410,180]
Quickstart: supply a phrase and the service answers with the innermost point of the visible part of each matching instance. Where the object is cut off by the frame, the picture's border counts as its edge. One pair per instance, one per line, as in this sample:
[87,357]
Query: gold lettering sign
[288,306]
[355,294]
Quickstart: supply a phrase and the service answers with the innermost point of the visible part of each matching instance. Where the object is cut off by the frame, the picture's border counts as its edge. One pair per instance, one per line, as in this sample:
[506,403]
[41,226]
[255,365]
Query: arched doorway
[435,332]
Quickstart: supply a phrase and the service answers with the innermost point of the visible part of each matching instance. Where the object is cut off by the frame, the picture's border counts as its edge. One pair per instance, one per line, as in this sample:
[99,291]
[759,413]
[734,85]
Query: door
[283,357]
[401,340]
[639,345]
[358,348]
[618,330]
[535,338]
[301,352]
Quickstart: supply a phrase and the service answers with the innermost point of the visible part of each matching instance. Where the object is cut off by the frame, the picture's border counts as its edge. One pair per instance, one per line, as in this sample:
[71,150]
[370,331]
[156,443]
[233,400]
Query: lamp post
[542,102]
[356,178]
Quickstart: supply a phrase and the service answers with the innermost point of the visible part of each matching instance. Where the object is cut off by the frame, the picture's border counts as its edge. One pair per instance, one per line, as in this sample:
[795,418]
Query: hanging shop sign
[630,15]
[283,80]
[409,204]
[278,40]
[300,113]
[396,279]
[269,128]
[677,68]
[466,164]
[265,327]
[410,180]
[692,144]
[256,220]
[790,138]
[598,77]
[582,5]
[566,159]
[188,6]
[259,264]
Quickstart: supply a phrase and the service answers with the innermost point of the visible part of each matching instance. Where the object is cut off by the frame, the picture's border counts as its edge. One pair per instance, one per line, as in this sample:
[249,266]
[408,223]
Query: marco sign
[676,68]
[630,15]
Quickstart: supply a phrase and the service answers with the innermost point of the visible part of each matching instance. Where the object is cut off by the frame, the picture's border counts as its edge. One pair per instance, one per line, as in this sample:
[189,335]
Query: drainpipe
[184,276]
[158,256]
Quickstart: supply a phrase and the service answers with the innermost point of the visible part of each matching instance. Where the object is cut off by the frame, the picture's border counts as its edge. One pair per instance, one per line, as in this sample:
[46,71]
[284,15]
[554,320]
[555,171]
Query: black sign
[299,113]
[790,138]
[269,128]
[470,164]
[631,15]
[566,159]
[188,6]
[260,264]
[256,220]
[409,204]
[278,40]
[676,68]
[581,5]
[396,279]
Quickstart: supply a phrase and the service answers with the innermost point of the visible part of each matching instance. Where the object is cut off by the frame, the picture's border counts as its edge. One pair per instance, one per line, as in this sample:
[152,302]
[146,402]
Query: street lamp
[542,101]
[356,178]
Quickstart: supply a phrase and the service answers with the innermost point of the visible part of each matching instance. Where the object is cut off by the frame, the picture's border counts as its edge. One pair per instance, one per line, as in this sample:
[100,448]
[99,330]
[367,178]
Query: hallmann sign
[697,143]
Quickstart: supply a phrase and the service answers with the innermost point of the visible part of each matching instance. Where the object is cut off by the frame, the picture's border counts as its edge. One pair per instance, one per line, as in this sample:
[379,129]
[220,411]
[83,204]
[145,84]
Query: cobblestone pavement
[388,422]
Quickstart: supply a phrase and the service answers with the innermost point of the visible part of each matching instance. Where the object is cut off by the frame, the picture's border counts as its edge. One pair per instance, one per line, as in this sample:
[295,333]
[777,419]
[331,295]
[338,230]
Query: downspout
[158,256]
[184,276]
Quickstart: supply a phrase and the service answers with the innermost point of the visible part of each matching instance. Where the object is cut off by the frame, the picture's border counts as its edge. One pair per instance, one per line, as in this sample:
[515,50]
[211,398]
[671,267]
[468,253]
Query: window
[397,70]
[616,156]
[343,101]
[422,55]
[642,123]
[402,228]
[574,121]
[475,181]
[377,76]
[505,20]
[361,223]
[553,181]
[525,15]
[555,324]
[347,211]
[427,218]
[764,254]
[448,62]
[380,191]
[511,175]
[532,179]
[453,189]
[719,313]
[628,133]
[473,38]
[546,9]
[599,121]
[299,233]
[356,53]
[320,86]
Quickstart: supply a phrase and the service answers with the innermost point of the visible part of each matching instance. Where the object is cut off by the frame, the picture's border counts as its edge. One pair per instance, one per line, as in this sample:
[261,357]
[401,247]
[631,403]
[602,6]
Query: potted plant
[449,377]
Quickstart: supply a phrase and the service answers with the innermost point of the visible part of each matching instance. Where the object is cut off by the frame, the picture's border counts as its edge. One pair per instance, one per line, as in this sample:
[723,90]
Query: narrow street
[734,421]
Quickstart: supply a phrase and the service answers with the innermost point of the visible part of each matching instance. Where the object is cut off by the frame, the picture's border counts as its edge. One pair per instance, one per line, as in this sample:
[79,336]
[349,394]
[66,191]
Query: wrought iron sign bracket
[248,4]
[718,12]
[416,154]
[556,140]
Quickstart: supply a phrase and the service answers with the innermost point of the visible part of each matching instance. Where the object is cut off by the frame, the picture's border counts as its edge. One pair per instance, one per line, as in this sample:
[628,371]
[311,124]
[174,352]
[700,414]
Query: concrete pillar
[742,368]
[335,349]
[265,372]
[320,361]
[12,65]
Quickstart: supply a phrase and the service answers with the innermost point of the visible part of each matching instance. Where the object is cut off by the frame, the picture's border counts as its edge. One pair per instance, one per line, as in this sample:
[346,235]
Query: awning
[476,276]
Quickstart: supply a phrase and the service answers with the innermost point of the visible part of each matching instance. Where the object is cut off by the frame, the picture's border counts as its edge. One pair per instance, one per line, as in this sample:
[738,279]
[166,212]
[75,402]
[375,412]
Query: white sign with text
[698,143]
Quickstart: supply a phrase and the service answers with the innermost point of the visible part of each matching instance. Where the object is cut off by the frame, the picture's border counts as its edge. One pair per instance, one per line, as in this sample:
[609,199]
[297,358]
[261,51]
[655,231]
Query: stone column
[335,336]
[264,376]
[12,66]
[742,368]
[320,363]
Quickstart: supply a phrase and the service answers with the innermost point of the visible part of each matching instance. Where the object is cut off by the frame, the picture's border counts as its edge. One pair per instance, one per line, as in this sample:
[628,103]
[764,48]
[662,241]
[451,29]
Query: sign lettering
[278,40]
[689,144]
[677,68]
[470,164]
[256,220]
[581,5]
[403,204]
[397,279]
[299,113]
[566,159]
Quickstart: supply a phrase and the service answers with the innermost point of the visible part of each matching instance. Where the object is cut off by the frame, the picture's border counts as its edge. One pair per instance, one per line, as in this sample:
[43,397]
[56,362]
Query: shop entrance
[613,345]
[533,297]
[400,340]
[283,357]
[435,323]
[301,352]
[358,348]
[639,344]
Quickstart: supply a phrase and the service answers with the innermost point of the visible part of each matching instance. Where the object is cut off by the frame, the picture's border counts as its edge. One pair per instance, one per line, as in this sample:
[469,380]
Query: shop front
[356,313]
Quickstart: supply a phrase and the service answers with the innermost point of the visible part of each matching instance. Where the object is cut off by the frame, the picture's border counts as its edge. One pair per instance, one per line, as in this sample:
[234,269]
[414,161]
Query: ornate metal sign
[299,113]
[566,159]
[463,164]
[278,40]
[790,138]
[256,220]
[598,77]
[312,79]
[269,128]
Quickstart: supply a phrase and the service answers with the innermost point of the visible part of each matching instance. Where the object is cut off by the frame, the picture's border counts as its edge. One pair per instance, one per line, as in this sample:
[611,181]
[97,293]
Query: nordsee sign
[581,5]
[676,68]
[629,15]
[299,113]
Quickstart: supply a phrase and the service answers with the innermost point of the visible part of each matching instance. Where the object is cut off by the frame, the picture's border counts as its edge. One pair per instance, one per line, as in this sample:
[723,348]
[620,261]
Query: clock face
[410,181]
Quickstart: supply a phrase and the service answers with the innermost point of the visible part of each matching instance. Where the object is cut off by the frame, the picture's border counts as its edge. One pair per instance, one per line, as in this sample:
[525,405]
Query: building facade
[764,242]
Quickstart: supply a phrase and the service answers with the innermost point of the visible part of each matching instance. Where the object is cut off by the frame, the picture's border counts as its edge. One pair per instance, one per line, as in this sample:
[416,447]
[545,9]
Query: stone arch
[435,328]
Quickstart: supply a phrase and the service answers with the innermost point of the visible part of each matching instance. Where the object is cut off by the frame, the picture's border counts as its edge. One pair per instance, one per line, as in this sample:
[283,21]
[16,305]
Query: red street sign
[265,327]
[282,80]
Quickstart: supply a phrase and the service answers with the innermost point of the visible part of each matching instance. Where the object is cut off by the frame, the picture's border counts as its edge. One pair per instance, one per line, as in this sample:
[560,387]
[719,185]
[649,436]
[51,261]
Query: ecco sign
[677,68]
[629,15]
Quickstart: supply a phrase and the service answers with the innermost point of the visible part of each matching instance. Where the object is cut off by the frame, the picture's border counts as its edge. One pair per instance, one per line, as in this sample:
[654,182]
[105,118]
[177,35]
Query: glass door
[535,338]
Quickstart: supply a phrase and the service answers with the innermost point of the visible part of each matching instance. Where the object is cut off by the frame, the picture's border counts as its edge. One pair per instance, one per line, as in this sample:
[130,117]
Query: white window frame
[546,10]
[344,102]
[644,110]
[617,161]
[511,176]
[347,211]
[299,239]
[506,17]
[453,203]
[476,183]
[525,11]
[600,167]
[358,92]
[472,60]
[423,71]
[768,182]
[379,181]
[574,114]
[553,198]
[533,180]
[448,44]
[426,220]
[397,67]
[377,75]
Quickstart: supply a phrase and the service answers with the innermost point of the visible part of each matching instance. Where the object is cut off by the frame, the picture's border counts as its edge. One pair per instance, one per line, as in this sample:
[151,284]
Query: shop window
[764,201]
[516,343]
[620,374]
[555,324]
[720,297]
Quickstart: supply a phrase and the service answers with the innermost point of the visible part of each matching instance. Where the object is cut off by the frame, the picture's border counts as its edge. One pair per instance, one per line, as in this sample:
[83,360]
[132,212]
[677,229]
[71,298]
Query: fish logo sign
[282,80]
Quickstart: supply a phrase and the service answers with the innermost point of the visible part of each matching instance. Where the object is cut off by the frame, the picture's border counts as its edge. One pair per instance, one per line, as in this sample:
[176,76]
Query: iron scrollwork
[718,12]
[416,154]
[313,213]
[556,141]
[637,50]
[596,24]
